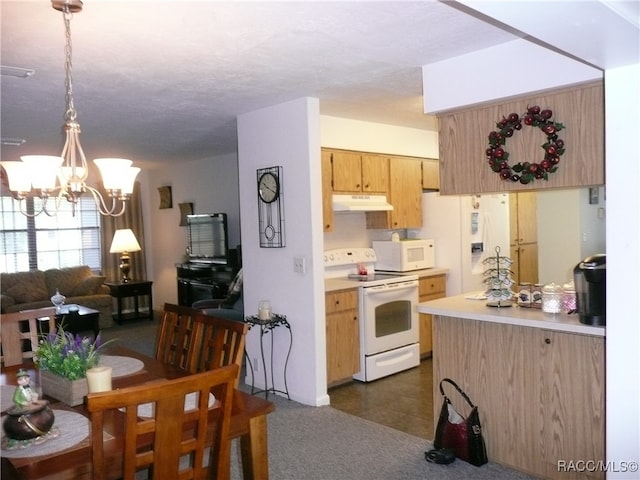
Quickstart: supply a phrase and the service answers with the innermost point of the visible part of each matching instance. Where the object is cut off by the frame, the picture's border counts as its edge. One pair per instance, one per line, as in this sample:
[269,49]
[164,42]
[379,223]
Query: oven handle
[410,284]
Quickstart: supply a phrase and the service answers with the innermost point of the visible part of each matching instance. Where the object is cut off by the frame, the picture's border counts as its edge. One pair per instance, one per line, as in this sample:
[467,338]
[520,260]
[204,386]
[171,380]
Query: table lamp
[124,241]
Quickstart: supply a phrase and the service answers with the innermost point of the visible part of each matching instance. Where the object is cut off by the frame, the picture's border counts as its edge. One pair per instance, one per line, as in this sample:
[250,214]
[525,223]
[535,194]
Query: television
[207,235]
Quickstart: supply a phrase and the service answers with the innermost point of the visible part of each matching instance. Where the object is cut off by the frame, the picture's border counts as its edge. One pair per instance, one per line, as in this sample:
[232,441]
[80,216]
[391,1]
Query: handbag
[462,435]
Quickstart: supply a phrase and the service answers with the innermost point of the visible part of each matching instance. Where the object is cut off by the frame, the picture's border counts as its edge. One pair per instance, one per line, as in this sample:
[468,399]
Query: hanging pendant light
[36,175]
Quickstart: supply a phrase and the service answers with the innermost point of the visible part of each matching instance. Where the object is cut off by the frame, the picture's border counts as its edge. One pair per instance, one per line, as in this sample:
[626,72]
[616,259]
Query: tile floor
[403,401]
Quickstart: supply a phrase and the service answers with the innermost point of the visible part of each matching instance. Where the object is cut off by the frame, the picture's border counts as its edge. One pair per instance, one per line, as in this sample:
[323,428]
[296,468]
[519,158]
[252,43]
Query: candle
[99,379]
[264,310]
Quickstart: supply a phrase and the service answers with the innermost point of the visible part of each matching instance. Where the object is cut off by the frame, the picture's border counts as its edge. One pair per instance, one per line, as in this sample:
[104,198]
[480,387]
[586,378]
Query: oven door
[388,316]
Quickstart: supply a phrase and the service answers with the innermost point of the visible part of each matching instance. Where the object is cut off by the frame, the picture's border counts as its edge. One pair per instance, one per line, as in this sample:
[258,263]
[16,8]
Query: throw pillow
[88,286]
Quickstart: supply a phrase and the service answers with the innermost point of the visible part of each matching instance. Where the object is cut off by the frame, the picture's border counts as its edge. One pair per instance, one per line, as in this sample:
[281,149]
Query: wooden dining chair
[19,333]
[155,443]
[175,341]
[219,341]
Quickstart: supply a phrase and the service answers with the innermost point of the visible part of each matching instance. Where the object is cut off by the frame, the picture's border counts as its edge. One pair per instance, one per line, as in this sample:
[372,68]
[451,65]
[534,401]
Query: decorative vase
[58,300]
[71,392]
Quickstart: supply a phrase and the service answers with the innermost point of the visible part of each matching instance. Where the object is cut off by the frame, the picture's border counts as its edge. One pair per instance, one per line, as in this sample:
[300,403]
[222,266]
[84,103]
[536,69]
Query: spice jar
[552,298]
[536,295]
[524,295]
[569,297]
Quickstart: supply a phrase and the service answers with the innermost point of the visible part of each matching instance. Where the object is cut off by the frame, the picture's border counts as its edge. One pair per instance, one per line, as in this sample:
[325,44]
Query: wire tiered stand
[498,280]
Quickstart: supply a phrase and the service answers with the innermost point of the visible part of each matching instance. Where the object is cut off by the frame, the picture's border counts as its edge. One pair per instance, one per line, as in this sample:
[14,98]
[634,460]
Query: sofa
[34,289]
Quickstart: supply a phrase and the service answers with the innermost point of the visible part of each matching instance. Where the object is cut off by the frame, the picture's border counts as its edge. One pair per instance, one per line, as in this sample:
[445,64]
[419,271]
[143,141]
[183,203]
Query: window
[43,242]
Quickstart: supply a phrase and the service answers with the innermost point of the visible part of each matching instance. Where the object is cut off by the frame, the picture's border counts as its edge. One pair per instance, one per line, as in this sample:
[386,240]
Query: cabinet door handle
[547,341]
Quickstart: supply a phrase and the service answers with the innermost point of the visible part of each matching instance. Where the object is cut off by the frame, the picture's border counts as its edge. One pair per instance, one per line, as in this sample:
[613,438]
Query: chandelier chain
[67,174]
[70,112]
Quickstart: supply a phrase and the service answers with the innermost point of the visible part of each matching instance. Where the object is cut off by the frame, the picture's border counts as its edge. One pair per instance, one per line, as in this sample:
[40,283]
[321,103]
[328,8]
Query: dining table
[72,459]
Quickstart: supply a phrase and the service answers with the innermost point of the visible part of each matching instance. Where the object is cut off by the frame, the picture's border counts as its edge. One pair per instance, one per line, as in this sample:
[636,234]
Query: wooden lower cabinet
[343,337]
[540,393]
[430,288]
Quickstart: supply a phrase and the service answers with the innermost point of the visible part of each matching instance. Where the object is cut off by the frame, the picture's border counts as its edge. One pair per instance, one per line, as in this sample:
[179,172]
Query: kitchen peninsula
[538,381]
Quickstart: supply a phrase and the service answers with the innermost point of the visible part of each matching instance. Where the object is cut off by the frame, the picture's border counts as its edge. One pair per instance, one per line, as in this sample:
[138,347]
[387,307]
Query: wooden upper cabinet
[327,200]
[405,194]
[355,172]
[375,173]
[347,171]
[463,140]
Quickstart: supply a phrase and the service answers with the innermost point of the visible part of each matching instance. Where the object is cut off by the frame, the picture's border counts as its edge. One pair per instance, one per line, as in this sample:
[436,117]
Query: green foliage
[69,356]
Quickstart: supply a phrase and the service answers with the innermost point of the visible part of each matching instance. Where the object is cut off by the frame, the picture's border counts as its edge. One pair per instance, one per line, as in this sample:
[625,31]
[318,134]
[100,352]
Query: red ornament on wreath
[526,172]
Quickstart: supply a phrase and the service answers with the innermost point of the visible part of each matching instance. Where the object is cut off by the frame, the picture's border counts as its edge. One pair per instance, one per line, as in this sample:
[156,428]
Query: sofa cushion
[25,287]
[89,286]
[6,301]
[66,279]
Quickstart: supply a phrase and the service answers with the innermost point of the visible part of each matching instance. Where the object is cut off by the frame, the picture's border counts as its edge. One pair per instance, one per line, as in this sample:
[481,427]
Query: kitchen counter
[334,284]
[460,307]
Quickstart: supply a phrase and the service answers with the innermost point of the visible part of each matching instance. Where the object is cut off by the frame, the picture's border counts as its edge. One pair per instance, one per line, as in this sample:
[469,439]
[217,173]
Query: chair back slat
[171,443]
[19,334]
[175,340]
[221,342]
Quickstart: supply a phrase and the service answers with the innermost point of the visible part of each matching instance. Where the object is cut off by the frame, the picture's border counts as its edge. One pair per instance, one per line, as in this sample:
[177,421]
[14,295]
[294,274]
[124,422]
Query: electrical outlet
[299,265]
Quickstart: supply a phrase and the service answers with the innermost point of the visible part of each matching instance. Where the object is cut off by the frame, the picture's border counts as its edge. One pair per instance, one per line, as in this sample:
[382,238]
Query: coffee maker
[590,279]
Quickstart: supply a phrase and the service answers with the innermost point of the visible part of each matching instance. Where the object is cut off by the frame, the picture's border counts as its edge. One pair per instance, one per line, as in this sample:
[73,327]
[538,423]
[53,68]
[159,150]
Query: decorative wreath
[525,172]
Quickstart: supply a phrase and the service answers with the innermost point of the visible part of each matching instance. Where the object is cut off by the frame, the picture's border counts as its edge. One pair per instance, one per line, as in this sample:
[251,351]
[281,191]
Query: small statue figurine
[25,397]
[29,418]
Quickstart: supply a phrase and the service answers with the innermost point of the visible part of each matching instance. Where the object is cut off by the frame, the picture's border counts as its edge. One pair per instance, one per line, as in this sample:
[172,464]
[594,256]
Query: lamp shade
[124,241]
[18,174]
[43,170]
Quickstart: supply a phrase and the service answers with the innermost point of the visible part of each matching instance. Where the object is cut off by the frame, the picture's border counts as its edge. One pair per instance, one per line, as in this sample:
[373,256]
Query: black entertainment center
[212,265]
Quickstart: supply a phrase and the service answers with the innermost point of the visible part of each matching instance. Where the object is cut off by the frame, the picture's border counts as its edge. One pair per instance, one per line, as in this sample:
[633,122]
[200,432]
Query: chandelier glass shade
[54,178]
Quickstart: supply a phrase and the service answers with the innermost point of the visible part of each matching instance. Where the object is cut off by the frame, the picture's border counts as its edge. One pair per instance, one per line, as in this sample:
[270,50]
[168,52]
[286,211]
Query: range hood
[361,203]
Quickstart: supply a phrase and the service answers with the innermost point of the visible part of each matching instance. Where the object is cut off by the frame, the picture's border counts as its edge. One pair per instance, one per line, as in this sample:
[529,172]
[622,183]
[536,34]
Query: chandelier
[55,178]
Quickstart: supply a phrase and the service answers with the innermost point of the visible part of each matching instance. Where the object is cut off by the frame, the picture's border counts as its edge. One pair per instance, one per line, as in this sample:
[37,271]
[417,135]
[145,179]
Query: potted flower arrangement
[63,360]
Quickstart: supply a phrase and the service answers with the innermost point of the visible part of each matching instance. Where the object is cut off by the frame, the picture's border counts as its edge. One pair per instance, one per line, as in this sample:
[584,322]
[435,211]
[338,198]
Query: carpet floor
[323,443]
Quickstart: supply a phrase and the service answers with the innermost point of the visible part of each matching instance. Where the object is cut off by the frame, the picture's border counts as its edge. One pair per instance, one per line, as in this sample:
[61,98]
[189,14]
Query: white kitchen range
[387,312]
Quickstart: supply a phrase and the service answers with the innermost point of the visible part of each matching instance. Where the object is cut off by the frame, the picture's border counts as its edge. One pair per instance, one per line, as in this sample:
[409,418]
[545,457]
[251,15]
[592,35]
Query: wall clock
[270,207]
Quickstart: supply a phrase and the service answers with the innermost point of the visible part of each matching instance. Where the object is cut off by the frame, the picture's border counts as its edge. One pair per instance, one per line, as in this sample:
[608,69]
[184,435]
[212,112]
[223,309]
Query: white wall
[287,135]
[569,230]
[623,267]
[212,186]
[450,91]
[336,132]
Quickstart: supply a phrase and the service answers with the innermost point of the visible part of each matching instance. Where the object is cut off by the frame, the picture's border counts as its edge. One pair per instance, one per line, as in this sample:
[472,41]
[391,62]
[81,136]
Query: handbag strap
[464,395]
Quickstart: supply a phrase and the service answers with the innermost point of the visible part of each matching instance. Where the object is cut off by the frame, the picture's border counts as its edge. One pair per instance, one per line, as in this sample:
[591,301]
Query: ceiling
[164,81]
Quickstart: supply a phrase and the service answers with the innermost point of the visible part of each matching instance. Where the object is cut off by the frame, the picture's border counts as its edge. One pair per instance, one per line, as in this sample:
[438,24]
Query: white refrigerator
[466,230]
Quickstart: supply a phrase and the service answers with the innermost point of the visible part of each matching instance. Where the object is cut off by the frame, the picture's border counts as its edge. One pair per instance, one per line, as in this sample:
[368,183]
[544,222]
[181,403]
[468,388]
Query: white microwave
[404,255]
